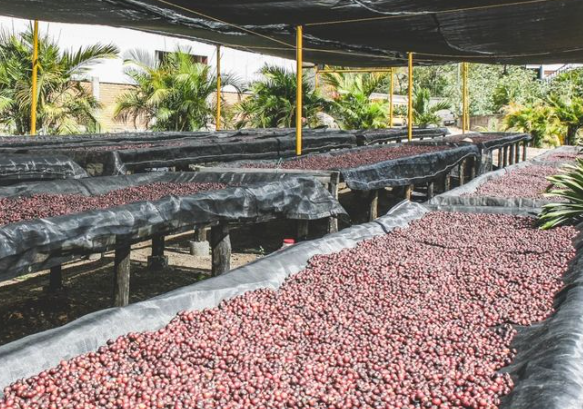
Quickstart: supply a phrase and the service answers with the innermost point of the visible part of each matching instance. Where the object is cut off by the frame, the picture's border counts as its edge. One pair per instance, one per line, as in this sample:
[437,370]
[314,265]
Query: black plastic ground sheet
[545,370]
[42,243]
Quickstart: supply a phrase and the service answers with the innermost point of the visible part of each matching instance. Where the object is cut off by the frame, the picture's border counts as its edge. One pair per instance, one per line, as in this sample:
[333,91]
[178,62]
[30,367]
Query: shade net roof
[347,32]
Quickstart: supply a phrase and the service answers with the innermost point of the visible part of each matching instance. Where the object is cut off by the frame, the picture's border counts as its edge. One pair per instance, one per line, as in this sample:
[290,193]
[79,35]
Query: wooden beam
[462,172]
[121,283]
[409,192]
[221,249]
[505,157]
[500,160]
[517,152]
[511,155]
[524,150]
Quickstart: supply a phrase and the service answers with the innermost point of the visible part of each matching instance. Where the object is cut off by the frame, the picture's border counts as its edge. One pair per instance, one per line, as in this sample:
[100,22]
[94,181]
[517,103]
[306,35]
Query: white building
[108,78]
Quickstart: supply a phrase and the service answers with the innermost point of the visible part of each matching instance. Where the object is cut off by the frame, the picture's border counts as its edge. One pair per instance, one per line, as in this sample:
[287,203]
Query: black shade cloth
[42,243]
[21,168]
[373,33]
[404,171]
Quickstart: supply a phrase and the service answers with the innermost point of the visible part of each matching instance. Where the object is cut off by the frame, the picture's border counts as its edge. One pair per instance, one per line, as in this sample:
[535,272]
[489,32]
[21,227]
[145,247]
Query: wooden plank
[505,157]
[500,160]
[409,192]
[511,154]
[474,165]
[524,150]
[121,283]
[201,234]
[447,183]
[221,249]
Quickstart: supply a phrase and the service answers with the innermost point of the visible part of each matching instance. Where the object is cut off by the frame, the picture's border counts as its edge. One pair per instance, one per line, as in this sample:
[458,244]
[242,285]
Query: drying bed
[93,214]
[371,137]
[17,209]
[490,140]
[518,188]
[376,167]
[337,333]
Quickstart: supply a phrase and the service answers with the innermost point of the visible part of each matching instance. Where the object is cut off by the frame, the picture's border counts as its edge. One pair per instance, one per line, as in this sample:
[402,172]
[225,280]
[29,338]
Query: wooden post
[511,155]
[373,205]
[56,279]
[505,157]
[303,229]
[517,153]
[158,260]
[500,158]
[462,172]
[333,188]
[221,249]
[430,190]
[474,163]
[447,183]
[121,283]
[409,192]
[524,150]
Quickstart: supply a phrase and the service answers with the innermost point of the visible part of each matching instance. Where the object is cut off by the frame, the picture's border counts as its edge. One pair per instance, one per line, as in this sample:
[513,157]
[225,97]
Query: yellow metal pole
[219,86]
[34,80]
[410,101]
[299,94]
[391,92]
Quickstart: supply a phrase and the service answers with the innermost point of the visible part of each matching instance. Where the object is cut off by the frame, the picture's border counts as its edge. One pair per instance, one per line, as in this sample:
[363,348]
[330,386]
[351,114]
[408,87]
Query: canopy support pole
[299,94]
[391,92]
[316,78]
[34,80]
[410,100]
[219,86]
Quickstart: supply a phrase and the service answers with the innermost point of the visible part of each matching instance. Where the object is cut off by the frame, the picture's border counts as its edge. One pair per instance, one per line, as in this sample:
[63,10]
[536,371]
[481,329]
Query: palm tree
[64,105]
[424,112]
[272,103]
[570,113]
[174,94]
[538,120]
[351,104]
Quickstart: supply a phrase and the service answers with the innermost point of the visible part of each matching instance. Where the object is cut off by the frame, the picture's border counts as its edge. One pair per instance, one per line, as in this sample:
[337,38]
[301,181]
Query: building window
[161,56]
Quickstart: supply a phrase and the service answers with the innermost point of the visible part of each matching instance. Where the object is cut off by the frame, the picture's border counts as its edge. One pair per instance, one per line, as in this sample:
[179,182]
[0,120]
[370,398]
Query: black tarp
[42,243]
[345,32]
[404,171]
[22,168]
[546,371]
[370,137]
[116,155]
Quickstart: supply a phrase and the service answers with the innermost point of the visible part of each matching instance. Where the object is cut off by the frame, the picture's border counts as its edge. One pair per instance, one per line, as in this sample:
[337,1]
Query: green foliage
[172,95]
[539,120]
[272,103]
[425,113]
[569,112]
[568,187]
[568,84]
[351,104]
[64,105]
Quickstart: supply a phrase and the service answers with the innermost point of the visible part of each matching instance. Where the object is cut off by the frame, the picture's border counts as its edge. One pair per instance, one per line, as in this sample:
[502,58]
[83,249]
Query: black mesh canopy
[347,32]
